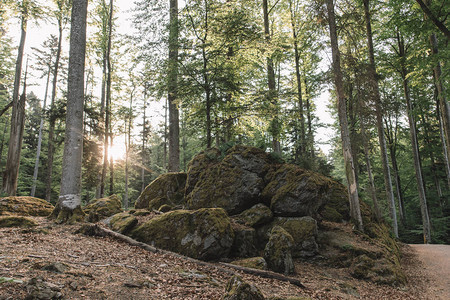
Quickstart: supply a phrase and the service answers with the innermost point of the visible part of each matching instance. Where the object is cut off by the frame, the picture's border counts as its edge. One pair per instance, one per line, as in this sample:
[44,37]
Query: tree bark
[301,149]
[68,208]
[144,137]
[415,146]
[355,210]
[174,119]
[272,94]
[380,127]
[52,122]
[11,173]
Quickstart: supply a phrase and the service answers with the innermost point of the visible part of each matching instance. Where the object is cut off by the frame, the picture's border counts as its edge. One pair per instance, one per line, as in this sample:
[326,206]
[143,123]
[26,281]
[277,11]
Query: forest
[120,109]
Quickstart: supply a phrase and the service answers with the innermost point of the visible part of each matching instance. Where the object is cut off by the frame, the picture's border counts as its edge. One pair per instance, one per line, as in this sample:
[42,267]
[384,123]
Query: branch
[436,22]
[5,109]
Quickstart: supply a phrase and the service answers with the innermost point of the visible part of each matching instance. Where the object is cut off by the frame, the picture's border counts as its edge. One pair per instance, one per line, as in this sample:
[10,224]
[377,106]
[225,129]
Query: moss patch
[16,221]
[205,233]
[102,208]
[278,251]
[123,222]
[256,215]
[25,206]
[166,189]
[238,289]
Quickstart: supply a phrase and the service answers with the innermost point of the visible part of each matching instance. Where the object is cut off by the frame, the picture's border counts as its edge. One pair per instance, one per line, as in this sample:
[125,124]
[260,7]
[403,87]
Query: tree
[379,115]
[61,16]
[172,85]
[68,208]
[27,9]
[355,210]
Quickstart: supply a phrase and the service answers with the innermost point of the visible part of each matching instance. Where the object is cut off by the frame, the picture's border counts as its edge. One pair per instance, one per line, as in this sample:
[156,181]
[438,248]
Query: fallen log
[97,230]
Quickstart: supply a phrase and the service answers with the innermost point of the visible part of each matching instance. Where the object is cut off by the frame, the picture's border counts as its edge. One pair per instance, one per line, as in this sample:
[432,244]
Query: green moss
[278,251]
[70,216]
[165,208]
[123,222]
[166,189]
[25,206]
[252,262]
[237,288]
[101,208]
[204,233]
[331,214]
[257,215]
[16,221]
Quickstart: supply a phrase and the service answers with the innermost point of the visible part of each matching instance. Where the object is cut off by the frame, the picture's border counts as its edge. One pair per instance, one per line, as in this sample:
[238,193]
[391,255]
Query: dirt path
[436,264]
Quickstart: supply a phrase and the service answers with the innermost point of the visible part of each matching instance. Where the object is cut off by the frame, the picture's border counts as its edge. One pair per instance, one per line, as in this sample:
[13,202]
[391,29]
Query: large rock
[203,234]
[303,231]
[102,208]
[234,183]
[25,206]
[337,207]
[294,192]
[238,289]
[166,189]
[123,222]
[255,216]
[244,241]
[16,221]
[252,262]
[278,251]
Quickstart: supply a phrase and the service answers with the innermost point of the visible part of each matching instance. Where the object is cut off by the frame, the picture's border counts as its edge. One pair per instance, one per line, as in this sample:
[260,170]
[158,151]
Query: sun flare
[117,151]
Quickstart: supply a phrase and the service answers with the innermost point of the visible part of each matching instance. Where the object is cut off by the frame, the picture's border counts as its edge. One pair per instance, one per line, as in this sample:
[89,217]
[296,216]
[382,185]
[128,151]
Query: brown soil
[435,261]
[103,268]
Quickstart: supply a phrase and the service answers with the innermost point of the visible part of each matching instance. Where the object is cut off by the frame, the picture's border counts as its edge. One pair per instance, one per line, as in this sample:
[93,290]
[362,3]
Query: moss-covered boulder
[234,183]
[102,208]
[244,241]
[257,215]
[123,222]
[380,270]
[16,221]
[277,252]
[294,192]
[166,189]
[203,234]
[238,289]
[252,262]
[337,207]
[303,231]
[25,206]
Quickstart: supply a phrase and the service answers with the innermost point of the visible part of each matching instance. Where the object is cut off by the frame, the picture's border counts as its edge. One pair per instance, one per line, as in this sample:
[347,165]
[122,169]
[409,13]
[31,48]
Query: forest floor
[82,267]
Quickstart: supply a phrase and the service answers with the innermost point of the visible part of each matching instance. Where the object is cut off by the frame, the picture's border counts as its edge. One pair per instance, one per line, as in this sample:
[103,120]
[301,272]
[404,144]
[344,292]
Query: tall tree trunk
[144,137]
[380,127]
[5,130]
[41,126]
[166,109]
[174,122]
[301,149]
[52,122]
[415,148]
[355,210]
[68,208]
[127,149]
[391,135]
[444,145]
[310,135]
[272,94]
[101,175]
[434,167]
[106,159]
[11,173]
[443,103]
[373,190]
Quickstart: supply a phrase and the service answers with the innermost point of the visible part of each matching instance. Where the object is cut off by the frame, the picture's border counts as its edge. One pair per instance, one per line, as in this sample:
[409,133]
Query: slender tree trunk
[444,145]
[11,173]
[68,208]
[5,130]
[310,136]
[100,192]
[444,106]
[380,127]
[174,122]
[301,151]
[128,147]
[144,137]
[415,149]
[166,109]
[52,122]
[434,167]
[355,210]
[111,164]
[272,97]
[373,190]
[41,126]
